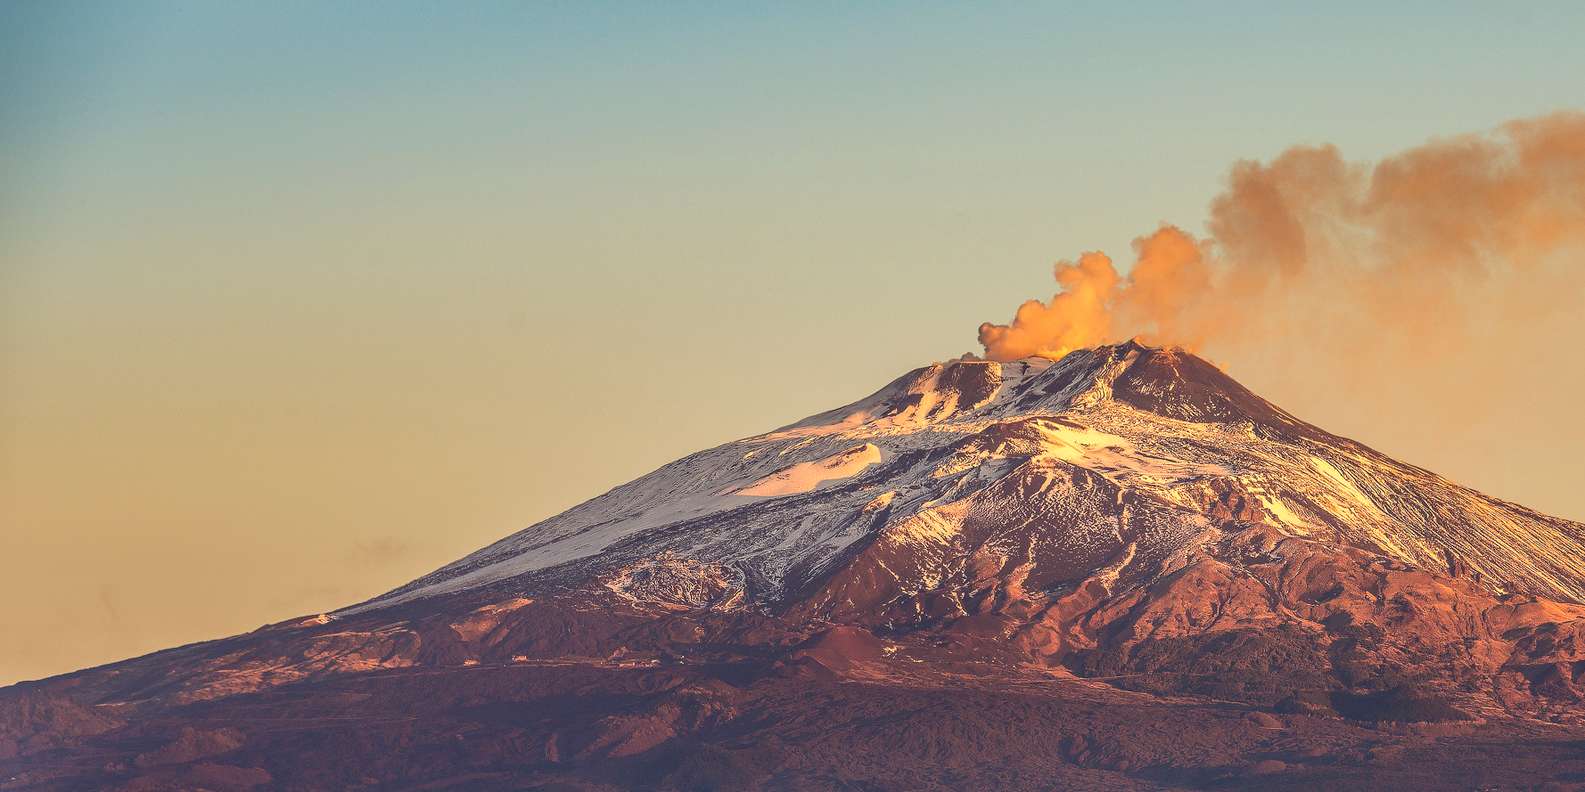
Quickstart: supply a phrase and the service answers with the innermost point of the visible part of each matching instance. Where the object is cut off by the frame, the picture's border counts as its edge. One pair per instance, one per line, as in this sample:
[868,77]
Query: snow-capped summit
[952,442]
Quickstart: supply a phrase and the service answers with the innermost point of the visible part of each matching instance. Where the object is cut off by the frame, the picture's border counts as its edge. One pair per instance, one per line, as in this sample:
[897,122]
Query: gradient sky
[300,301]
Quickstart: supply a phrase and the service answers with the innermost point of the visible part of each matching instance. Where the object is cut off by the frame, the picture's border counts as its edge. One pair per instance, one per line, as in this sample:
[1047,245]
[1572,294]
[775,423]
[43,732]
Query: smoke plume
[1431,304]
[1312,246]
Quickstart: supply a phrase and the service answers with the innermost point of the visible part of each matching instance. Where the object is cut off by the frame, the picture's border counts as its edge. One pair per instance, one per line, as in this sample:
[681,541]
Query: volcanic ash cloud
[1415,249]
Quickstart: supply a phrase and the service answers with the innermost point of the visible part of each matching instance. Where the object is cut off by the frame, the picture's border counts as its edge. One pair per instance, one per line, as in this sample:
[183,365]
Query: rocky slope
[1121,569]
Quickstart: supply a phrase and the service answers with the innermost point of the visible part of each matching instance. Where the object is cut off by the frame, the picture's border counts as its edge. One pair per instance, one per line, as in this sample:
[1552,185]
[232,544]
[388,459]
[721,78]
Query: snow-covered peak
[955,444]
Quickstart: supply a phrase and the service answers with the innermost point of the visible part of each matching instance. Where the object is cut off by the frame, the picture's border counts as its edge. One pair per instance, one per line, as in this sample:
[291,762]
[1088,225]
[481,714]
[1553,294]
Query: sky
[299,301]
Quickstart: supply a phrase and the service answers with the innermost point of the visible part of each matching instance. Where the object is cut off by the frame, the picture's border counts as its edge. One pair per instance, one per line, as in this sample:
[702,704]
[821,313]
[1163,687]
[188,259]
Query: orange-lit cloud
[1343,258]
[1080,315]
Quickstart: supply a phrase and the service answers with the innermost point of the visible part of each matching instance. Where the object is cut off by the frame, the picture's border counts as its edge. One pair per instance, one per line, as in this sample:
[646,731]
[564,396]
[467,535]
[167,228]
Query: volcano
[1117,570]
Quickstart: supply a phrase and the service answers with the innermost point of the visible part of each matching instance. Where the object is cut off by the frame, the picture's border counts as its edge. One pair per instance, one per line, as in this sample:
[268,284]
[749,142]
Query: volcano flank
[1116,570]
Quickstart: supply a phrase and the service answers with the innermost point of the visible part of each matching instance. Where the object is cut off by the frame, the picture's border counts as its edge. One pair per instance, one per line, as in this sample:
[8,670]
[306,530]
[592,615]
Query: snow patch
[1345,486]
[1110,453]
[806,476]
[933,525]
